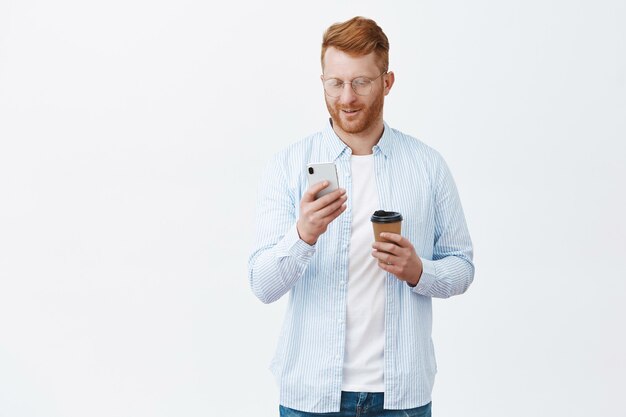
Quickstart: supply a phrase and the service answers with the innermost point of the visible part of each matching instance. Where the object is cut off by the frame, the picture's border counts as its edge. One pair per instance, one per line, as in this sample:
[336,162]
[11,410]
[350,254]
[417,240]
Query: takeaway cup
[386,221]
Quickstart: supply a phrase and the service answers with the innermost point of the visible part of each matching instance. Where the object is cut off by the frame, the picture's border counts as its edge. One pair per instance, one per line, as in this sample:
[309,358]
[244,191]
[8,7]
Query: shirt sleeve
[451,270]
[279,257]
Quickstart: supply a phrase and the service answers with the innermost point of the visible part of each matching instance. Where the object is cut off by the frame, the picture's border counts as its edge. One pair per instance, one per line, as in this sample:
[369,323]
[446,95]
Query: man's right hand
[316,215]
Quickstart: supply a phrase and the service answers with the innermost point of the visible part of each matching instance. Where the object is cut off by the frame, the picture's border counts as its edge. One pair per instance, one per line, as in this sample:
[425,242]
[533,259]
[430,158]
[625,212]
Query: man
[357,333]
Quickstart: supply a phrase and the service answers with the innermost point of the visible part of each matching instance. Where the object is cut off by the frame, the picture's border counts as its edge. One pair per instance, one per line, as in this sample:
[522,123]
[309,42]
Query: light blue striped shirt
[412,179]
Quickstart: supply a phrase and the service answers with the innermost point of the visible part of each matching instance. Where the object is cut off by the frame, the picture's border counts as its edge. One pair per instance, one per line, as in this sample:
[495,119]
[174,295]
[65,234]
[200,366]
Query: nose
[347,94]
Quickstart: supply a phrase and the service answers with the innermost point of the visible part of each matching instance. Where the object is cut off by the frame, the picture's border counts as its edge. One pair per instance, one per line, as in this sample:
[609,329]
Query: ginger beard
[365,118]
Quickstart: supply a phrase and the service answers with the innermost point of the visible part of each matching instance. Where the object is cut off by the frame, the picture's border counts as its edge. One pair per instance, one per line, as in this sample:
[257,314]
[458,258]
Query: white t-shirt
[363,367]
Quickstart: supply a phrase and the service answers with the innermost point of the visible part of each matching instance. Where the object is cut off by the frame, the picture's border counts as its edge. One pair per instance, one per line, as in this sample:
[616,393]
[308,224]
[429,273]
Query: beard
[366,119]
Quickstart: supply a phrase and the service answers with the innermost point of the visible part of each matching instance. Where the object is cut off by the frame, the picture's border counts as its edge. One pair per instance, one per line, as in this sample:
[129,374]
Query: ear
[389,79]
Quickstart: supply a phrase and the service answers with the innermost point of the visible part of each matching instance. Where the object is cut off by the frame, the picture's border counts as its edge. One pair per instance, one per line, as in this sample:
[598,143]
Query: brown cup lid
[382,216]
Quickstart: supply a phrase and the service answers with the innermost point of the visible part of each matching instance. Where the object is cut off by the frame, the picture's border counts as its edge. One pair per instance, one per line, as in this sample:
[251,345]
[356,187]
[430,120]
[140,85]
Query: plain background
[132,136]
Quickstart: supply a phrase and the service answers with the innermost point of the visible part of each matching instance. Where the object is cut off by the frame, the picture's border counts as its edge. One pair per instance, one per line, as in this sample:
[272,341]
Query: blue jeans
[357,404]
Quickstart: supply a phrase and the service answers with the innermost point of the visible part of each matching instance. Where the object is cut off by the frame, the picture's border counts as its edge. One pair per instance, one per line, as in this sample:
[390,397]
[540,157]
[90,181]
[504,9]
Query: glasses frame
[343,84]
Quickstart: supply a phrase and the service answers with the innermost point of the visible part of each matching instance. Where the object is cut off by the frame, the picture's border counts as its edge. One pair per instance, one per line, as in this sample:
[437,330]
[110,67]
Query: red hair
[358,36]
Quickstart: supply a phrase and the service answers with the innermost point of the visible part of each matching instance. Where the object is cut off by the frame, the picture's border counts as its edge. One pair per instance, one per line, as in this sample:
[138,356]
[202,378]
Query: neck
[361,143]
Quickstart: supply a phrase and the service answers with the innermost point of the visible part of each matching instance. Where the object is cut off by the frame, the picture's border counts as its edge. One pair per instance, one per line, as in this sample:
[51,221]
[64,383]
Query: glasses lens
[362,86]
[333,87]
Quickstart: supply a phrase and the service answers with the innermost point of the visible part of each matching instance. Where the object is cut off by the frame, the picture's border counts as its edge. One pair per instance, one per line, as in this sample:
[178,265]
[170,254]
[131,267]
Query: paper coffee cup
[386,221]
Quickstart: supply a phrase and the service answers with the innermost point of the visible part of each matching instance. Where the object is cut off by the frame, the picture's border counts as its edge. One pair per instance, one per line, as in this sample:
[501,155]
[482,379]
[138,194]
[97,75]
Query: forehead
[338,64]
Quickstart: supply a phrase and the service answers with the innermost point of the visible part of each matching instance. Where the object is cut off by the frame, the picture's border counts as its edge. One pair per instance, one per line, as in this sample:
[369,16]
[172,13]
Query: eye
[361,82]
[333,82]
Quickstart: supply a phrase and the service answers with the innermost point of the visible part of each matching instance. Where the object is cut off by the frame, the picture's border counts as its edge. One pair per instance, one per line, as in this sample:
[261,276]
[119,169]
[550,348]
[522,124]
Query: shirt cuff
[292,245]
[428,278]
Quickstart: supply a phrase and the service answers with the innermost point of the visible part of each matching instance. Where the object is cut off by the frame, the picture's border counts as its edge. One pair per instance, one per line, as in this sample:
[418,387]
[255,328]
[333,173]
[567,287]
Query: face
[352,113]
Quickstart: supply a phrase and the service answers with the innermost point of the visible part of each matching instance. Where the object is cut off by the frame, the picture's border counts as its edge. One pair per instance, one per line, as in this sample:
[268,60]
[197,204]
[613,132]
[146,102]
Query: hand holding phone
[320,205]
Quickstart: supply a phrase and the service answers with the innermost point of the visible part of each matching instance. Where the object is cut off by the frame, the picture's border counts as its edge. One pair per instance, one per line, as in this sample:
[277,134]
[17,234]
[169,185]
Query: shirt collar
[386,142]
[337,147]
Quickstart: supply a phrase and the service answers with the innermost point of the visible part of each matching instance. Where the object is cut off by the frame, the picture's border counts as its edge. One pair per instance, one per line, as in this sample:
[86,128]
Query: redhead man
[356,339]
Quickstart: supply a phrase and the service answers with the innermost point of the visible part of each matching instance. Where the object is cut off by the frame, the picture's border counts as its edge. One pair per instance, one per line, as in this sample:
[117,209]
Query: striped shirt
[412,179]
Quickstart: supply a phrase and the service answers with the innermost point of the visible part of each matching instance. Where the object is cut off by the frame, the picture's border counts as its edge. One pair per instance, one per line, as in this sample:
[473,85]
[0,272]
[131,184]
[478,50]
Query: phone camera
[311,170]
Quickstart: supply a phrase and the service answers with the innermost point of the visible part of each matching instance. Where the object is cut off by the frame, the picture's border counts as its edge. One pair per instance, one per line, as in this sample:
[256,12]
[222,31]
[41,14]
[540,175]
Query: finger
[394,237]
[329,198]
[391,268]
[309,194]
[332,216]
[385,257]
[386,247]
[331,208]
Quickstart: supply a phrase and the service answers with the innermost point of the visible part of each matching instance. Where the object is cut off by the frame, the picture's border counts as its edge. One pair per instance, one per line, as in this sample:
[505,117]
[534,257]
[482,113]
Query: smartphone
[321,171]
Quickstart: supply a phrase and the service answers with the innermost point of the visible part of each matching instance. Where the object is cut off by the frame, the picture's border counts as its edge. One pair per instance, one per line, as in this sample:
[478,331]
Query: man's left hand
[398,257]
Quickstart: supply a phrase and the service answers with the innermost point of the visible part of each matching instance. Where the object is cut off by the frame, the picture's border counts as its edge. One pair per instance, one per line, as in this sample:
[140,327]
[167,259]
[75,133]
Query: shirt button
[340,321]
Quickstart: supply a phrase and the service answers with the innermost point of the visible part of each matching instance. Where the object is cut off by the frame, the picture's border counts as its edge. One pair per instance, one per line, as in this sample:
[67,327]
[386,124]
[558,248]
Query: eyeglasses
[361,86]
